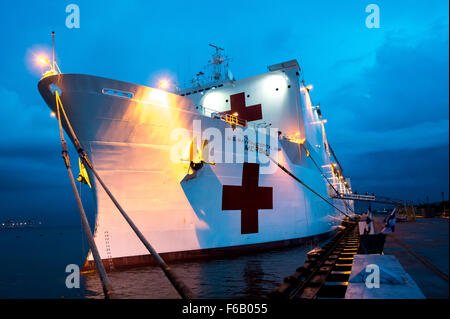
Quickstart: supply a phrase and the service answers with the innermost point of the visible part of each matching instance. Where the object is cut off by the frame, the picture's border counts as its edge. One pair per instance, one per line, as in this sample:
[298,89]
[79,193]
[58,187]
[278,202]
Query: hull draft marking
[248,198]
[249,113]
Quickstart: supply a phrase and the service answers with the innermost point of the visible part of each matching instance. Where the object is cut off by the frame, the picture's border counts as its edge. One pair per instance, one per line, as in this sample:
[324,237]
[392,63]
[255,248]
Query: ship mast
[216,70]
[53,50]
[217,62]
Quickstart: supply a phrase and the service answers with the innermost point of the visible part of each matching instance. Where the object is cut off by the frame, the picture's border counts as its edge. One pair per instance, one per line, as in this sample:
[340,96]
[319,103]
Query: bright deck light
[43,60]
[163,84]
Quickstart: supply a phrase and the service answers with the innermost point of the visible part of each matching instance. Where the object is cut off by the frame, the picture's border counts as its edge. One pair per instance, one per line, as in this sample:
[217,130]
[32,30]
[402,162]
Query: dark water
[33,261]
[33,265]
[246,276]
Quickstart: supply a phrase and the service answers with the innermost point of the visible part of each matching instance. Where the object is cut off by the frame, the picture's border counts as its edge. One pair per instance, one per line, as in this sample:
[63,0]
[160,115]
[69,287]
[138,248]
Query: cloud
[421,135]
[400,101]
[389,125]
[30,155]
[24,124]
[33,178]
[406,174]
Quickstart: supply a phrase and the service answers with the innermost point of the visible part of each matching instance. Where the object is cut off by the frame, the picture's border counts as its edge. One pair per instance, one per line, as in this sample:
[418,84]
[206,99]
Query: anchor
[196,165]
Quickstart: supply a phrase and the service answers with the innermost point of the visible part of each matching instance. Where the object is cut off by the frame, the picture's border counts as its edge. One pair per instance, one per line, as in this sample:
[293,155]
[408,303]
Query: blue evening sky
[383,91]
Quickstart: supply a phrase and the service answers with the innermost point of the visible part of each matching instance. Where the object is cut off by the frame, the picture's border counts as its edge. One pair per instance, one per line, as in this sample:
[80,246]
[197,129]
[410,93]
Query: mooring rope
[178,284]
[323,175]
[284,169]
[106,284]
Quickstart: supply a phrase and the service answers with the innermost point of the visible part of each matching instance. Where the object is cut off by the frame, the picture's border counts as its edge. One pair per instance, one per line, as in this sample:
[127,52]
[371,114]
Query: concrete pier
[394,282]
[422,248]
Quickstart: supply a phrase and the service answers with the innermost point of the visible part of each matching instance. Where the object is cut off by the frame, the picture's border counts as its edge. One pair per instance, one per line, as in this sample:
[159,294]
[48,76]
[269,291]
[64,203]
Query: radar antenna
[217,61]
[216,70]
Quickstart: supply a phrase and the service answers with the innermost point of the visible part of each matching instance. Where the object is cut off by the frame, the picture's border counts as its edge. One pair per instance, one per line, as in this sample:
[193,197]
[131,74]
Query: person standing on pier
[369,229]
[389,223]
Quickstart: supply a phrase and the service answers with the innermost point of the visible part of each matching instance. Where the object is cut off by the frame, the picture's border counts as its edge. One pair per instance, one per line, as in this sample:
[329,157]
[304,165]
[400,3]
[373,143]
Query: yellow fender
[83,177]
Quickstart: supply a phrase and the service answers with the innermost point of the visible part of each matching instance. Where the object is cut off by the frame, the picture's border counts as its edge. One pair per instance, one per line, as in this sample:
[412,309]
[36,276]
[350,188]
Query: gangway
[371,198]
[407,209]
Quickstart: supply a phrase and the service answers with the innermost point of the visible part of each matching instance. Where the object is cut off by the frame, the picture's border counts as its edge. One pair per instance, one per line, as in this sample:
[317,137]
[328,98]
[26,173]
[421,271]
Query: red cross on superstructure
[249,113]
[248,198]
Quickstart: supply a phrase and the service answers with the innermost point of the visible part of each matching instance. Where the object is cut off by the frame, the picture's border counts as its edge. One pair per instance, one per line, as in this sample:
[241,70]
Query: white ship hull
[130,140]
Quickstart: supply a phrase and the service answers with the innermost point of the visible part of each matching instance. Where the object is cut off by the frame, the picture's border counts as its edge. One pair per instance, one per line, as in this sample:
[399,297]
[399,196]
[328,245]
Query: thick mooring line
[284,169]
[178,284]
[106,284]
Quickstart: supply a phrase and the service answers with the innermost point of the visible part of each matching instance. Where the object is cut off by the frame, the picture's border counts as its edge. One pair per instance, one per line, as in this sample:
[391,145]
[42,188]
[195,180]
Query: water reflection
[247,276]
[33,263]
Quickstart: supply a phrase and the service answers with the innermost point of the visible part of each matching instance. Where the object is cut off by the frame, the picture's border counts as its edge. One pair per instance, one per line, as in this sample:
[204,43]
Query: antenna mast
[217,61]
[217,69]
[53,58]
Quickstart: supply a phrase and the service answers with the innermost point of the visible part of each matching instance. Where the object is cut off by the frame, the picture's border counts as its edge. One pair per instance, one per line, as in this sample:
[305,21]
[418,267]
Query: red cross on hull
[248,198]
[249,113]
